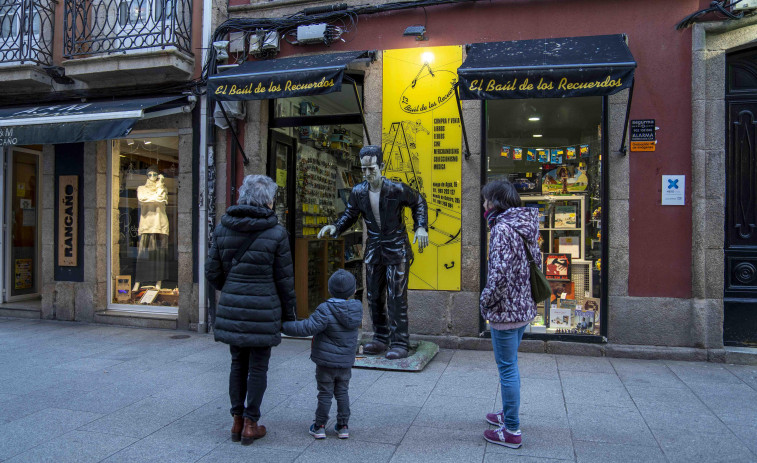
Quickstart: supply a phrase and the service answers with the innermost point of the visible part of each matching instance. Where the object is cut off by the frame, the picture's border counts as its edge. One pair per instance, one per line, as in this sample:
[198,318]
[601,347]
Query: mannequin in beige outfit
[153,229]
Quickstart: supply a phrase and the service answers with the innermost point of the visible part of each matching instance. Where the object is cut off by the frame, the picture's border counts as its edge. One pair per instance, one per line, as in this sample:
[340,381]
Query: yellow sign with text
[643,145]
[422,145]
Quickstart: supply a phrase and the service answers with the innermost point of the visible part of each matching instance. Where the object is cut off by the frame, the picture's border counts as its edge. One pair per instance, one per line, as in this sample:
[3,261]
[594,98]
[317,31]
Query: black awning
[547,68]
[74,122]
[283,77]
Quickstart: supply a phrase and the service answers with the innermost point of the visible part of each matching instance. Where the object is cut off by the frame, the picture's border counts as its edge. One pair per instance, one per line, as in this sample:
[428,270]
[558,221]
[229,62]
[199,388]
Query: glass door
[21,246]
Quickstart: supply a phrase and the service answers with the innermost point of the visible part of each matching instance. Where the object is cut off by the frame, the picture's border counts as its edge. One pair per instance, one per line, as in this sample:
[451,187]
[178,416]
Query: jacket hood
[244,218]
[348,313]
[524,220]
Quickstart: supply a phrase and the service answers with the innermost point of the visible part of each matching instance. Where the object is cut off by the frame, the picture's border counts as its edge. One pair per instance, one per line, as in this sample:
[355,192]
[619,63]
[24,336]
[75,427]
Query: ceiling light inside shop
[147,142]
[537,135]
[129,142]
[534,118]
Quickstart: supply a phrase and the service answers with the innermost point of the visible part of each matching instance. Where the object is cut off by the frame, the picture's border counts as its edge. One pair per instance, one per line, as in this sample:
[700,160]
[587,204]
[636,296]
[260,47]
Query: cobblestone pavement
[87,393]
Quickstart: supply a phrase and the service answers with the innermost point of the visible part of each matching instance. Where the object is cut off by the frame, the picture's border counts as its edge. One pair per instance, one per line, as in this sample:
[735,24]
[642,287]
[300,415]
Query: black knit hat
[342,284]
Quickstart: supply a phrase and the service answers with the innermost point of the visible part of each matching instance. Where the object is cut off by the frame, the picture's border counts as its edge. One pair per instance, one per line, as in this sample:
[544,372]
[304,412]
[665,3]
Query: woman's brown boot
[251,432]
[236,428]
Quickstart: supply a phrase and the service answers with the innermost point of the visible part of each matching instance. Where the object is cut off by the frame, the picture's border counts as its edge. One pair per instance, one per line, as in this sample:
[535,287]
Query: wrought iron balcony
[26,31]
[95,27]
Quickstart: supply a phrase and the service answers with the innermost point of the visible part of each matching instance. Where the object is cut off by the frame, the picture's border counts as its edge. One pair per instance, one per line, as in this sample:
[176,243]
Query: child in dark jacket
[333,326]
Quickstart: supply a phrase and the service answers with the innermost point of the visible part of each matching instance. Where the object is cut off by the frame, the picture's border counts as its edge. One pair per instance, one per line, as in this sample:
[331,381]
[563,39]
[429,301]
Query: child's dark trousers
[333,382]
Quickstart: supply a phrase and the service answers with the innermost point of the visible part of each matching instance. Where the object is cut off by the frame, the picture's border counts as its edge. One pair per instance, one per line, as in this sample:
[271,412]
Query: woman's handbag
[540,289]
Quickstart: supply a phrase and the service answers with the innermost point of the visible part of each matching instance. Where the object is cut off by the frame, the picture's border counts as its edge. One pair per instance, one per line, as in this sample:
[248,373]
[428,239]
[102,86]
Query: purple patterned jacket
[506,298]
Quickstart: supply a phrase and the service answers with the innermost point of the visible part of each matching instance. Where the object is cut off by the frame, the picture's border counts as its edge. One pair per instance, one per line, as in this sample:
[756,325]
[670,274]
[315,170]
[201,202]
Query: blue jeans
[505,344]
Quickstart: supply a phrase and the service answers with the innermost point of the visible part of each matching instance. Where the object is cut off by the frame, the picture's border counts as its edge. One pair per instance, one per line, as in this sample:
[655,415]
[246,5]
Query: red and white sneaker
[497,419]
[502,436]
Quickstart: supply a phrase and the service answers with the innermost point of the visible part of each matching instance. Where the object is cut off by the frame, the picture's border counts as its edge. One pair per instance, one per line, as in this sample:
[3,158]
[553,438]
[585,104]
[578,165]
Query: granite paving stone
[24,433]
[440,410]
[334,449]
[233,452]
[383,423]
[86,392]
[585,364]
[687,446]
[75,447]
[607,424]
[440,445]
[605,452]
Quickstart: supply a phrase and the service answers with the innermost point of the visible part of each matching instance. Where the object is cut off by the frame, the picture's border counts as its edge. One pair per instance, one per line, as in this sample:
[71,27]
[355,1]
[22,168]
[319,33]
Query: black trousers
[248,379]
[389,314]
[333,382]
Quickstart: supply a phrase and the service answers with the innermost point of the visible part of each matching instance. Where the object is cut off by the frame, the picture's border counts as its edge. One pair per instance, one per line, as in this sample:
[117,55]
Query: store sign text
[6,137]
[68,225]
[492,85]
[272,87]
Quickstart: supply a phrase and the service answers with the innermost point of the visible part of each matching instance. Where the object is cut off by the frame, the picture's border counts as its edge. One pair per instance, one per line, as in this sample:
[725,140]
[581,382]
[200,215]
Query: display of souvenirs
[526,182]
[584,151]
[565,217]
[557,155]
[557,267]
[505,152]
[570,245]
[543,155]
[518,154]
[584,320]
[565,180]
[530,154]
[570,153]
[562,290]
[560,318]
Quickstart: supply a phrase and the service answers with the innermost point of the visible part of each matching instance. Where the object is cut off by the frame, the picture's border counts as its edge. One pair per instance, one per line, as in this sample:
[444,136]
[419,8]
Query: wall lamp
[419,32]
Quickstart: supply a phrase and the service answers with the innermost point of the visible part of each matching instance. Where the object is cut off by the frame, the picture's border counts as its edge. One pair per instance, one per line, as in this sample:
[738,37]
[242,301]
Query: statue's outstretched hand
[328,229]
[421,236]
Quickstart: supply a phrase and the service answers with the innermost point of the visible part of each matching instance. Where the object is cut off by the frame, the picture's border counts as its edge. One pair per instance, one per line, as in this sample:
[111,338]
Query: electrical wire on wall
[340,19]
[724,8]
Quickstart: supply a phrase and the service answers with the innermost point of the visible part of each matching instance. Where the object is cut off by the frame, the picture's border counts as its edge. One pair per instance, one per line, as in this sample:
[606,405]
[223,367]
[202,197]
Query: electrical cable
[722,7]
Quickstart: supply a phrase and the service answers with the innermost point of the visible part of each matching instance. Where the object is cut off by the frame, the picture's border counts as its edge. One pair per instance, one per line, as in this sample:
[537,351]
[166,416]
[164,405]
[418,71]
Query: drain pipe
[202,235]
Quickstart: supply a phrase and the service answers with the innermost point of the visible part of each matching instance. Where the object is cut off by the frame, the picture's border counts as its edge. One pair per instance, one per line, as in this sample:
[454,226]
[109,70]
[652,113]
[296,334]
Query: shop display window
[144,222]
[316,167]
[550,149]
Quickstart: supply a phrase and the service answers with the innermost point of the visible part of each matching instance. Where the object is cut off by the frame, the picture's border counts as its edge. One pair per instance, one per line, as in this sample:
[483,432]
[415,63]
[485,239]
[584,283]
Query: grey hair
[257,190]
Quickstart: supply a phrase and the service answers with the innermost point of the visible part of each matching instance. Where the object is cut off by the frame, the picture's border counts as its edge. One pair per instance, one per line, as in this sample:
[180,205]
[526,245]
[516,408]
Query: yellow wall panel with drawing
[422,148]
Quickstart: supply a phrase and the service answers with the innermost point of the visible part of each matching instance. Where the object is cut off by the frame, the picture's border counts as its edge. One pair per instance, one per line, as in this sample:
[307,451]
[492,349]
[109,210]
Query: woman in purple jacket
[506,300]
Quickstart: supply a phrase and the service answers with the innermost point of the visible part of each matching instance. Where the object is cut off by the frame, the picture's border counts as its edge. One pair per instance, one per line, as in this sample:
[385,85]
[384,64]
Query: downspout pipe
[202,235]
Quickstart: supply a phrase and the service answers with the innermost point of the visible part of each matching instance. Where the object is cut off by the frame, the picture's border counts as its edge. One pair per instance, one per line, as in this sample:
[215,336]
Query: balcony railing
[95,27]
[26,31]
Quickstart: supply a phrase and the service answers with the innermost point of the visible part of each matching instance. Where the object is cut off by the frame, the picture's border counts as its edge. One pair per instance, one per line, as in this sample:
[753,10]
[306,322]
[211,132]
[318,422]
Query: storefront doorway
[313,156]
[740,295]
[21,217]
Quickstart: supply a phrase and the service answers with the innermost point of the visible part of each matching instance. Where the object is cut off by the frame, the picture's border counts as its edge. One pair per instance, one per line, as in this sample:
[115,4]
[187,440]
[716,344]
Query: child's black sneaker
[318,431]
[342,431]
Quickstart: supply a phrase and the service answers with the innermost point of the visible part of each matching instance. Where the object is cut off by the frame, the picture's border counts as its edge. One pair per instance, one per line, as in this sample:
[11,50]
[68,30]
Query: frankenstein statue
[388,254]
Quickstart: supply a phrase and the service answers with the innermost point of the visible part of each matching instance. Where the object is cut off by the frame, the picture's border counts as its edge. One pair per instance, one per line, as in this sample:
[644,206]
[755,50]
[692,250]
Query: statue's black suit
[388,254]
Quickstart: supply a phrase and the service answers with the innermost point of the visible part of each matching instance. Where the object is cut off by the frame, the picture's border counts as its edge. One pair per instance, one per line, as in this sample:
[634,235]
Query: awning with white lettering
[282,77]
[547,68]
[74,122]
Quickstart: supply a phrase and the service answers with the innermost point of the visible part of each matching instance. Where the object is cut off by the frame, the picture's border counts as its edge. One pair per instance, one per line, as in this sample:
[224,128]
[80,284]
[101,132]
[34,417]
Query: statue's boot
[374,347]
[396,353]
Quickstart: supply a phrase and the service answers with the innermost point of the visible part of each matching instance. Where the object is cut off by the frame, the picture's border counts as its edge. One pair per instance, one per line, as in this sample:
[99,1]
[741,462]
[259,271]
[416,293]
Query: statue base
[419,355]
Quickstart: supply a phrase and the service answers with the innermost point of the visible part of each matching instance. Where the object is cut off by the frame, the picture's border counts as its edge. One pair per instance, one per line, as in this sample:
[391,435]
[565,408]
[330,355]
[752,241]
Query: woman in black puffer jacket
[257,295]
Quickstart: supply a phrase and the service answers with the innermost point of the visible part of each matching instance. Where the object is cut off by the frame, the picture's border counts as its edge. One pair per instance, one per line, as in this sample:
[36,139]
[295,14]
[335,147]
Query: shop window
[550,149]
[144,222]
[316,167]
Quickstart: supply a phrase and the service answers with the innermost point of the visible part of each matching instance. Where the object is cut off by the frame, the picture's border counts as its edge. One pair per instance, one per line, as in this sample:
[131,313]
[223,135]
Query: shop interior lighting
[537,135]
[129,142]
[534,118]
[419,32]
[147,142]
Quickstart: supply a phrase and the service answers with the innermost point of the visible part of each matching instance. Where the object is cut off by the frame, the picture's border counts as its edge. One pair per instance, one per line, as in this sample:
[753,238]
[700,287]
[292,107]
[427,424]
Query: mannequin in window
[153,230]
